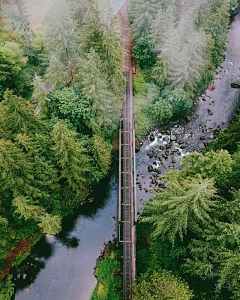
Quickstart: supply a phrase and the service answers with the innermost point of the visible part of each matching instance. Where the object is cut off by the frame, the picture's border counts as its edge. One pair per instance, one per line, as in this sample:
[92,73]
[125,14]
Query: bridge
[127,187]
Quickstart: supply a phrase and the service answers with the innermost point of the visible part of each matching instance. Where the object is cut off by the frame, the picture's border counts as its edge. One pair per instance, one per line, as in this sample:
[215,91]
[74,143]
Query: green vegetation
[161,285]
[178,51]
[108,281]
[61,91]
[191,227]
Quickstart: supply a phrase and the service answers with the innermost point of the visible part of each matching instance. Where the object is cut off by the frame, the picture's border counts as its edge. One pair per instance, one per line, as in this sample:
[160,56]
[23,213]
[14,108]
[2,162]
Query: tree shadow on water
[26,273]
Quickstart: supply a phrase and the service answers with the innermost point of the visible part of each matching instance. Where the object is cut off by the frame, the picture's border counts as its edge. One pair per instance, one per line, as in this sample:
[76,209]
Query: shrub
[179,99]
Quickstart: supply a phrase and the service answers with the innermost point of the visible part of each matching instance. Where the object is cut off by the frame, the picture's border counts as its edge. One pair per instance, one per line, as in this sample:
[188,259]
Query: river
[60,270]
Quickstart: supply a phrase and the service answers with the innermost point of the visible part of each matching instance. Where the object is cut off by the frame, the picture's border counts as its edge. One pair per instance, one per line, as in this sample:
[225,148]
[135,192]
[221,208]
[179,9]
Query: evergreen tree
[142,14]
[91,34]
[16,17]
[101,153]
[39,93]
[57,73]
[16,172]
[160,71]
[183,204]
[71,158]
[62,41]
[216,165]
[48,223]
[113,55]
[185,57]
[12,62]
[161,27]
[17,116]
[213,17]
[95,88]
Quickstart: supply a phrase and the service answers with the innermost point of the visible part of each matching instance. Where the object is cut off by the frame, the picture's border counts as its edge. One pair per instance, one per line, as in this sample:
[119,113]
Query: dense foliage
[60,97]
[178,48]
[194,222]
[109,281]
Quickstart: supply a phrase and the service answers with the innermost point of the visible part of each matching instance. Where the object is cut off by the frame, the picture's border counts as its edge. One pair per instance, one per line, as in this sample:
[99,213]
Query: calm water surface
[56,269]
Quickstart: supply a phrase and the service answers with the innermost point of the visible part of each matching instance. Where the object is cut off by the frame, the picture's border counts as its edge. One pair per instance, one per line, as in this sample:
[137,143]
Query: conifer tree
[17,116]
[91,34]
[113,55]
[160,71]
[184,203]
[101,153]
[185,68]
[57,72]
[95,88]
[62,41]
[16,172]
[49,224]
[161,27]
[16,17]
[39,93]
[72,158]
[143,13]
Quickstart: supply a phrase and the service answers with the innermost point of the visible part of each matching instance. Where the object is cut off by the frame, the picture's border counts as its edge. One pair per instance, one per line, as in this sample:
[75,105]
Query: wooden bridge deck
[127,194]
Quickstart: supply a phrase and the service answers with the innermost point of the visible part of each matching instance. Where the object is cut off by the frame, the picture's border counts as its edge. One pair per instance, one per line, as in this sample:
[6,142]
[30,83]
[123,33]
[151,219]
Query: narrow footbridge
[127,191]
[127,179]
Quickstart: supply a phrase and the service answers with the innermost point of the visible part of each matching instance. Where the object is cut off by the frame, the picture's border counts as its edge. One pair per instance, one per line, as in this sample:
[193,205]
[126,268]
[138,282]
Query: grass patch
[108,282]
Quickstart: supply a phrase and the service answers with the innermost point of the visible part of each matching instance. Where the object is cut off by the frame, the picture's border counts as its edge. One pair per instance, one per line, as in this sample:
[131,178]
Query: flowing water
[61,267]
[214,110]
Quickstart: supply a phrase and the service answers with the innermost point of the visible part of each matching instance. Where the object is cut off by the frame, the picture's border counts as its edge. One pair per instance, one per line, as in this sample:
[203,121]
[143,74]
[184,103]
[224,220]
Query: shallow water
[214,110]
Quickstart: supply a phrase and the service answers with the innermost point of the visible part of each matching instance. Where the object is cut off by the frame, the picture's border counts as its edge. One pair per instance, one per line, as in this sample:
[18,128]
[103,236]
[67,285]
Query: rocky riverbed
[162,148]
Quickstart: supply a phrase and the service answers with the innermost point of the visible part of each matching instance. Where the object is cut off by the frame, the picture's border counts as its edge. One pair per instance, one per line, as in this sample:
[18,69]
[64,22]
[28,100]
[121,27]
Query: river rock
[166,138]
[173,138]
[210,112]
[184,146]
[150,154]
[150,169]
[212,87]
[162,148]
[165,156]
[152,137]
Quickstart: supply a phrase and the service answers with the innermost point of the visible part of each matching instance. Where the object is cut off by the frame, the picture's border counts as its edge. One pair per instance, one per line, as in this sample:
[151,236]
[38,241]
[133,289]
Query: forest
[177,51]
[61,91]
[188,233]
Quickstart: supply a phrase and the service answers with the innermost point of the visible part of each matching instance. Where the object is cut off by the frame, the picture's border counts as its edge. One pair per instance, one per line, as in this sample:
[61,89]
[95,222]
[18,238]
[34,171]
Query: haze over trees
[61,92]
[177,47]
[191,227]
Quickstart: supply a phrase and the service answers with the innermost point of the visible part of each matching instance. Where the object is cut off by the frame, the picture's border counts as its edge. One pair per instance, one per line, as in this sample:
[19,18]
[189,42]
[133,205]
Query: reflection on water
[61,267]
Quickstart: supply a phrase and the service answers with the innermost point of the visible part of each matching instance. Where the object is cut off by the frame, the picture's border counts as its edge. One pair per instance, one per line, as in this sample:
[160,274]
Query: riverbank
[213,111]
[108,273]
[161,149]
